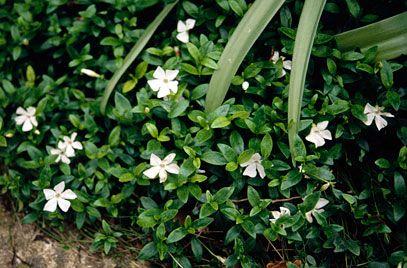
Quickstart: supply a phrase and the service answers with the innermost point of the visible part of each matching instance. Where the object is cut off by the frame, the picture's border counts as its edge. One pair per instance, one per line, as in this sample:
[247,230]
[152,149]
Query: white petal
[77,145]
[68,194]
[169,158]
[250,171]
[51,205]
[33,121]
[159,73]
[59,188]
[261,171]
[152,172]
[308,216]
[256,157]
[163,175]
[369,109]
[62,145]
[21,110]
[172,168]
[27,126]
[322,202]
[163,92]
[181,26]
[65,159]
[73,136]
[287,64]
[66,139]
[387,114]
[380,122]
[183,37]
[316,139]
[322,125]
[276,214]
[173,86]
[21,119]
[245,85]
[64,204]
[283,73]
[285,211]
[275,57]
[369,119]
[69,151]
[31,111]
[155,160]
[155,84]
[49,194]
[326,134]
[171,74]
[55,151]
[58,159]
[190,23]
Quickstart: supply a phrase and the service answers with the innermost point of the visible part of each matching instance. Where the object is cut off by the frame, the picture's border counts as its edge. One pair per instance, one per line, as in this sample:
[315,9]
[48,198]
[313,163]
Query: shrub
[203,187]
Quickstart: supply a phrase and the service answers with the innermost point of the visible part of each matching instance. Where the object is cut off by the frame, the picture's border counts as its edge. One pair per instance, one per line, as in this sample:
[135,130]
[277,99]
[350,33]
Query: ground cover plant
[185,178]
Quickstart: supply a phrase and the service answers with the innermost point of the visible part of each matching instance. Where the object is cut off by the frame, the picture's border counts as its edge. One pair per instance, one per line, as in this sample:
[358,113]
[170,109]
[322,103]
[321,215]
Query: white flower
[61,153]
[183,30]
[58,197]
[164,82]
[26,118]
[319,134]
[322,202]
[278,214]
[90,73]
[245,85]
[286,63]
[376,113]
[253,166]
[161,167]
[69,145]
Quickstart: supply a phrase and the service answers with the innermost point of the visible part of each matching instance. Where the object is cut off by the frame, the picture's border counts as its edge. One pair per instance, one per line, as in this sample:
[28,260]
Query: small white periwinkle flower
[161,167]
[163,82]
[58,197]
[287,64]
[90,73]
[26,118]
[322,202]
[278,214]
[69,145]
[61,153]
[245,85]
[183,29]
[377,114]
[319,134]
[253,166]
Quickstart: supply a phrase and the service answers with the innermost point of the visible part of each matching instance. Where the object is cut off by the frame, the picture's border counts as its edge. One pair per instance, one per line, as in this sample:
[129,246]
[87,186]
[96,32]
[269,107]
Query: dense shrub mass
[197,188]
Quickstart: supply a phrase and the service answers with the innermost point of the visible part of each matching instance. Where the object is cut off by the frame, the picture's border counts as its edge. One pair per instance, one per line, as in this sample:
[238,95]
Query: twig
[275,249]
[273,201]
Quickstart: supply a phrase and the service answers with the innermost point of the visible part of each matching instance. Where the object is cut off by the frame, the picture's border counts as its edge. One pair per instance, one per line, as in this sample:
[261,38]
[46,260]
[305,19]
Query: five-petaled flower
[377,114]
[253,165]
[161,167]
[183,30]
[26,118]
[61,153]
[286,63]
[69,145]
[58,197]
[163,82]
[278,214]
[322,202]
[319,134]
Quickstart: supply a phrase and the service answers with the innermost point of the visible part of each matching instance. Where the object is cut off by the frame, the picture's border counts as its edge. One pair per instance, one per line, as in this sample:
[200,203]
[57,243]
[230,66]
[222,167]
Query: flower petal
[308,216]
[183,37]
[65,159]
[155,84]
[369,119]
[369,109]
[171,74]
[69,151]
[55,151]
[163,175]
[64,204]
[77,145]
[51,205]
[159,73]
[31,111]
[155,160]
[59,188]
[315,139]
[276,214]
[250,171]
[285,211]
[275,57]
[152,172]
[21,110]
[169,158]
[73,136]
[27,126]
[287,64]
[49,194]
[326,134]
[69,194]
[261,171]
[20,119]
[172,168]
[322,202]
[34,121]
[181,26]
[322,125]
[163,92]
[380,122]
[190,23]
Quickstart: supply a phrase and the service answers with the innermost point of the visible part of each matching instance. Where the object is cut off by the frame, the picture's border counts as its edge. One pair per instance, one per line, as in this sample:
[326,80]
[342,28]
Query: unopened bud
[90,73]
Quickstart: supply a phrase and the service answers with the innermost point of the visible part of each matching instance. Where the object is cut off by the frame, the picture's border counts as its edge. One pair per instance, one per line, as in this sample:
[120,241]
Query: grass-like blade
[389,35]
[134,52]
[239,44]
[307,28]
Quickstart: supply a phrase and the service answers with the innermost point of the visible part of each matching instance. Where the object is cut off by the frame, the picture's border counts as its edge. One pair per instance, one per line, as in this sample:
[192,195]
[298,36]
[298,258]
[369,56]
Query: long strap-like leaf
[134,52]
[307,27]
[389,35]
[242,39]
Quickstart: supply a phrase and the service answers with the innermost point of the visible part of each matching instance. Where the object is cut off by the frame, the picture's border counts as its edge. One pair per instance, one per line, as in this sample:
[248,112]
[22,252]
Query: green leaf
[386,75]
[293,178]
[304,39]
[176,235]
[353,7]
[214,158]
[134,52]
[178,108]
[114,137]
[399,185]
[266,146]
[220,122]
[310,202]
[148,251]
[129,85]
[382,163]
[246,33]
[253,196]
